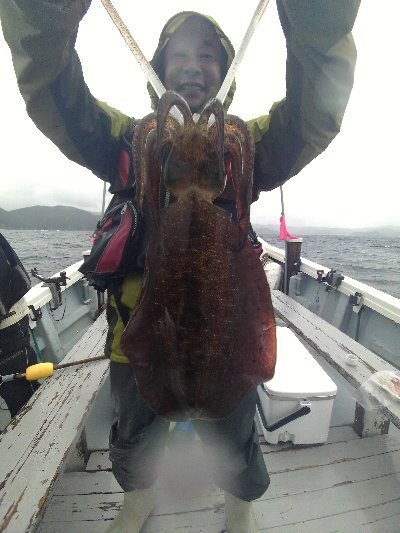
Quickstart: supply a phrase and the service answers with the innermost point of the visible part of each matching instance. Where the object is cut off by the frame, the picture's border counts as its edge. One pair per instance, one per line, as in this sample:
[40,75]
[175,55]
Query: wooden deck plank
[346,486]
[86,526]
[83,507]
[98,461]
[173,510]
[35,444]
[203,521]
[324,477]
[341,434]
[327,503]
[383,518]
[154,525]
[207,520]
[77,507]
[388,524]
[289,459]
[80,483]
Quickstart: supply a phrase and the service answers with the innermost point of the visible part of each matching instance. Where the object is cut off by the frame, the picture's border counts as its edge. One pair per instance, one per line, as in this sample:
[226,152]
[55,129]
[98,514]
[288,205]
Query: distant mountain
[51,218]
[3,217]
[383,231]
[70,218]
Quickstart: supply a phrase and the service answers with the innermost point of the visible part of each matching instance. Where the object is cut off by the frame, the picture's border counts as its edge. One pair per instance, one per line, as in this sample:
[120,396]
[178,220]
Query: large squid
[203,332]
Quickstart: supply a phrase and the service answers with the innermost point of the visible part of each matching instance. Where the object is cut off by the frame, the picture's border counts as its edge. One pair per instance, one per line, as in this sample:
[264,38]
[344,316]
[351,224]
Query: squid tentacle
[239,142]
[141,134]
[169,99]
[214,107]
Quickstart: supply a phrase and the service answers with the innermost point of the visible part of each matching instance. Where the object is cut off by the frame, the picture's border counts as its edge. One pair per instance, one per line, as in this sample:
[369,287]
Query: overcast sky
[354,183]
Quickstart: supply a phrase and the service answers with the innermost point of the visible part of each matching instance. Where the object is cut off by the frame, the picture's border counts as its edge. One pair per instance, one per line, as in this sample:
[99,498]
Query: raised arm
[41,35]
[321,57]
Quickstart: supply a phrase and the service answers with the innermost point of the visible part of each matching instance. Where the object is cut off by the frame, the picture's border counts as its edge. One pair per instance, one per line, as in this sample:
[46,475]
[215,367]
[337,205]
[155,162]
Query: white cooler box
[296,404]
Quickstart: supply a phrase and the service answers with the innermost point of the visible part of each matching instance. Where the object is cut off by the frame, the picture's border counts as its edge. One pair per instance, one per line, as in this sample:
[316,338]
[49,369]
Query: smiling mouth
[189,87]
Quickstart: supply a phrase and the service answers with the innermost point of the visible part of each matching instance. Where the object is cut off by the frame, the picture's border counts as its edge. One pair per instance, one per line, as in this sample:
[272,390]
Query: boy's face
[193,59]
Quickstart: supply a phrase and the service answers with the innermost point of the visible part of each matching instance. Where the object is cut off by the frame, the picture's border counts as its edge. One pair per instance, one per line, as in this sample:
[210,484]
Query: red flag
[283,232]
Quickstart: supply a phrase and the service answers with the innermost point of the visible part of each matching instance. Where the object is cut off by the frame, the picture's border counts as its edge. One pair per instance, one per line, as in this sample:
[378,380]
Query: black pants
[138,438]
[16,393]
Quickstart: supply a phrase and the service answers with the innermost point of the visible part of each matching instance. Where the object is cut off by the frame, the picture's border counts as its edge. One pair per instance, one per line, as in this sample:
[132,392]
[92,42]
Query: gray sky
[354,183]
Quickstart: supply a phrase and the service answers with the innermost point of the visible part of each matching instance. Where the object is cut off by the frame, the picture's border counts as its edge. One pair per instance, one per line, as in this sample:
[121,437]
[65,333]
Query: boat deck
[349,484]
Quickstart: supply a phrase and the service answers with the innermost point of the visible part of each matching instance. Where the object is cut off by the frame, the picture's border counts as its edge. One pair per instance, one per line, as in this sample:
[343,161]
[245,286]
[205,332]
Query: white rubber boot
[137,506]
[239,515]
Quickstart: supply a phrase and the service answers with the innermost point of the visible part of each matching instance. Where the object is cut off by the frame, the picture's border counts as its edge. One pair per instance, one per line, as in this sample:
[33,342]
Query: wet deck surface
[346,485]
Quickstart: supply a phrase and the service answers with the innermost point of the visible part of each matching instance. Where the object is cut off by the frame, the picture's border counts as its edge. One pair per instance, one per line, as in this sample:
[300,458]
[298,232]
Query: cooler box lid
[297,373]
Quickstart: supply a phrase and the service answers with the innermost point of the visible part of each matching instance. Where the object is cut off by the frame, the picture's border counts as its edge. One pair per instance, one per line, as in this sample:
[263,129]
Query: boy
[192,58]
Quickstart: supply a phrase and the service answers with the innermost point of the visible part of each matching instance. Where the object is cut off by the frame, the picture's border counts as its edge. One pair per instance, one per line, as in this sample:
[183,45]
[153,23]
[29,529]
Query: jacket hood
[168,31]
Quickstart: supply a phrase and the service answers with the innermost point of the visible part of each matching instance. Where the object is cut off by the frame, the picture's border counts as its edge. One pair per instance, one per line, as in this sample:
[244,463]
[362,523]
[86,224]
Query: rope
[39,354]
[81,362]
[282,204]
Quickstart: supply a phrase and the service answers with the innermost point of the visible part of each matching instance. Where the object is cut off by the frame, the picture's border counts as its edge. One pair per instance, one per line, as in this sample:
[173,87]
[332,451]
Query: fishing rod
[45,370]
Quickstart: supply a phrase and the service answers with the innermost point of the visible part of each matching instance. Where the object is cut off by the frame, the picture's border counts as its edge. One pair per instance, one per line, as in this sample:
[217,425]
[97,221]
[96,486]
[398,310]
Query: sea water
[48,251]
[370,260]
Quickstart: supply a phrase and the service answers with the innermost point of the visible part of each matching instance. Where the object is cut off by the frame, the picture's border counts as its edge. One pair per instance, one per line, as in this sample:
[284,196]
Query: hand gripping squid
[203,331]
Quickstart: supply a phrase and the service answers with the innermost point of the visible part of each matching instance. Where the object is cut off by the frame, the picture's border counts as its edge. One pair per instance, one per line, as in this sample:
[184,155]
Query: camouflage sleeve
[321,58]
[41,35]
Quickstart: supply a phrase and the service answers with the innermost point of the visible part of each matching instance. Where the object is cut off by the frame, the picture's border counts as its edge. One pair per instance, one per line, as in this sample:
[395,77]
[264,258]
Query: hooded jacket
[320,66]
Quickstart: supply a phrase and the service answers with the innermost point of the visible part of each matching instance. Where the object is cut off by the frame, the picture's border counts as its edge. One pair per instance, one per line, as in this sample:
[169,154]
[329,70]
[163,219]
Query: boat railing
[384,304]
[36,443]
[59,313]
